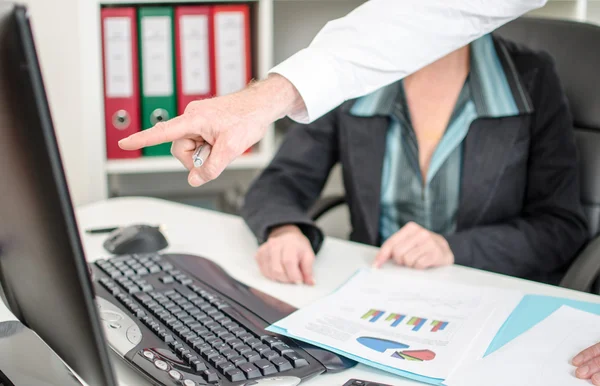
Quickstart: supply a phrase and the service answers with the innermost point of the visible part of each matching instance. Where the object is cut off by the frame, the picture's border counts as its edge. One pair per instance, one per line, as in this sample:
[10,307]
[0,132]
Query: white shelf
[165,164]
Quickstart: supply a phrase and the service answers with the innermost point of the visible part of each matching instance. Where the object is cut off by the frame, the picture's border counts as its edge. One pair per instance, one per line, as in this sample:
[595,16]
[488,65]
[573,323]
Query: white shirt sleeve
[383,41]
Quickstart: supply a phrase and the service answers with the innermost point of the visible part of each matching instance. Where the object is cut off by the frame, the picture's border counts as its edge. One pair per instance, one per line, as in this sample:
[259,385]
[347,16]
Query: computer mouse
[135,239]
[275,381]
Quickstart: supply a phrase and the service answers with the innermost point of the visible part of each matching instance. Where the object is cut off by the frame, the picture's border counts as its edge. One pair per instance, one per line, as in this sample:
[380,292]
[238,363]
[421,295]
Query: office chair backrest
[575,47]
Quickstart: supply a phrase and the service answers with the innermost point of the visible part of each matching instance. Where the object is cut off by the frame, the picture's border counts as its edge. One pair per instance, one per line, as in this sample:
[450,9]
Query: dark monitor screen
[43,271]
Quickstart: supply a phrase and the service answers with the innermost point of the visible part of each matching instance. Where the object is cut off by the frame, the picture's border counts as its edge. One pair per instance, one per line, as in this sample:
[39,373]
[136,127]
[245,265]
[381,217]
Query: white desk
[226,240]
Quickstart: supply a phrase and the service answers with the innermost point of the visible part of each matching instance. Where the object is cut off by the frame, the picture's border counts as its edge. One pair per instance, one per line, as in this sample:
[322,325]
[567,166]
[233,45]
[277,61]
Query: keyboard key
[143,298]
[154,268]
[249,370]
[206,335]
[251,356]
[194,311]
[187,320]
[246,337]
[225,321]
[179,314]
[265,367]
[199,345]
[212,325]
[216,316]
[142,271]
[189,336]
[210,376]
[238,331]
[235,343]
[220,331]
[229,325]
[295,359]
[210,310]
[182,351]
[168,338]
[281,364]
[165,266]
[180,330]
[283,348]
[235,375]
[260,349]
[186,306]
[220,305]
[215,360]
[189,356]
[223,367]
[242,349]
[254,343]
[175,345]
[229,353]
[212,353]
[201,331]
[203,348]
[228,337]
[169,293]
[165,279]
[271,341]
[212,339]
[175,310]
[220,346]
[198,365]
[269,354]
[238,359]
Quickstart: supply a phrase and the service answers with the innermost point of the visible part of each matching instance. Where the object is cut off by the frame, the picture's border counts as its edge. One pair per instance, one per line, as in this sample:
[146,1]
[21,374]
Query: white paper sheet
[539,357]
[421,326]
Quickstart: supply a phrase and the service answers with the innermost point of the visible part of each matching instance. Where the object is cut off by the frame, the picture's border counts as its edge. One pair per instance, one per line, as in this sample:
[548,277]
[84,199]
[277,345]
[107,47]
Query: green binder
[157,70]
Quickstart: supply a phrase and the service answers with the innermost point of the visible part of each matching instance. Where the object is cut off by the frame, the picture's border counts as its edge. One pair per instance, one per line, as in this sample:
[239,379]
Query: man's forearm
[274,98]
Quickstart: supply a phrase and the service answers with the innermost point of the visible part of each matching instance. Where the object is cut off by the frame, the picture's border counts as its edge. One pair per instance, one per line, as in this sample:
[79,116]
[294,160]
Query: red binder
[233,58]
[233,69]
[121,79]
[194,54]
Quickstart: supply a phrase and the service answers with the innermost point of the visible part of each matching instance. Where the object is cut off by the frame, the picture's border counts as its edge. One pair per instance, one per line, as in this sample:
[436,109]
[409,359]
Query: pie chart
[380,345]
[414,355]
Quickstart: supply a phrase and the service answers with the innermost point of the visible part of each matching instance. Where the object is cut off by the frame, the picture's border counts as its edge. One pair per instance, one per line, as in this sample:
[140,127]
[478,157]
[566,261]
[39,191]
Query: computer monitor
[43,270]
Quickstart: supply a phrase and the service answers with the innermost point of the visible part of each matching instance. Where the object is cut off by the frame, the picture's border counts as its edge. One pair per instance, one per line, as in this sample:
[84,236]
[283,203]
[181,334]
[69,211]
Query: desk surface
[226,240]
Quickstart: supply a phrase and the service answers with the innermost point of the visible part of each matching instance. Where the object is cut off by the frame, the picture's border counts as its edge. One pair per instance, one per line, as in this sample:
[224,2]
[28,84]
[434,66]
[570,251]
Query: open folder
[418,328]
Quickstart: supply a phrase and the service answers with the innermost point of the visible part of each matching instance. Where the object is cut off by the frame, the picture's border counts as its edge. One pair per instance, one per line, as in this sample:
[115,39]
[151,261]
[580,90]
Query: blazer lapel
[366,138]
[488,147]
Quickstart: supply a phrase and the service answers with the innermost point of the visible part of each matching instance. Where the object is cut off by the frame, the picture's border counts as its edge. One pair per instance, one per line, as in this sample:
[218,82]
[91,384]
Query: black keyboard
[200,335]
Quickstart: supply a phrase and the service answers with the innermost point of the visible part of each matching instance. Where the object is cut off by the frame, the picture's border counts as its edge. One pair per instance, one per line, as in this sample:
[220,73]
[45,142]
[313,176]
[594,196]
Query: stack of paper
[416,328]
[539,357]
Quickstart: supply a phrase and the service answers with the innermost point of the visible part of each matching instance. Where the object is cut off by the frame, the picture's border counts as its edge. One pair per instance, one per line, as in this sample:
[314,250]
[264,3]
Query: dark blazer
[520,212]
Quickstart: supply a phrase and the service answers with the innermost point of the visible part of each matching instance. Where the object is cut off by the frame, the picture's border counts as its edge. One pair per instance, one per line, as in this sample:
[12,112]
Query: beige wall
[56,31]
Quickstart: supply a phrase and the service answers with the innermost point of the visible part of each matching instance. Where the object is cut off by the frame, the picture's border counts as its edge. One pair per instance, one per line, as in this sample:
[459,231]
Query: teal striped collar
[496,87]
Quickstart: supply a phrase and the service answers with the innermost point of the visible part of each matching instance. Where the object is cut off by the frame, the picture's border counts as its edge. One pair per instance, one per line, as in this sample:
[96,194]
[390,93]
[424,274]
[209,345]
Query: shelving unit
[92,90]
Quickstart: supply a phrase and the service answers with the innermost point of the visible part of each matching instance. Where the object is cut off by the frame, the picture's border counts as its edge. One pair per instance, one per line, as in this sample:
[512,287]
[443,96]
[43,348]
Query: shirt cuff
[315,77]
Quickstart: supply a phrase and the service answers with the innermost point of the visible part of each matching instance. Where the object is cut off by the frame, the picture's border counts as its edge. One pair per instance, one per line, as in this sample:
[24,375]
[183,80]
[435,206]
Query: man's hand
[416,247]
[231,124]
[588,364]
[287,256]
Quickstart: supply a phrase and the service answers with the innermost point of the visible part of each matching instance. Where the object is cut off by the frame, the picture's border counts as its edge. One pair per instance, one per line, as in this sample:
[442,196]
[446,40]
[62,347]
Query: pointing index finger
[163,132]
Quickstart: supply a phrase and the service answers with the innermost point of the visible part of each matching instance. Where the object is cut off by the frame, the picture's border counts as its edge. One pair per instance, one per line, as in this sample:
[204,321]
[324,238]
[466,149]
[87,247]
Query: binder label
[117,54]
[230,52]
[157,57]
[195,57]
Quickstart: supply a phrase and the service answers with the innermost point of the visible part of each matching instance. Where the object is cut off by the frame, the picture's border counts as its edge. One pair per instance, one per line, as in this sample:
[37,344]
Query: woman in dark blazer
[470,160]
